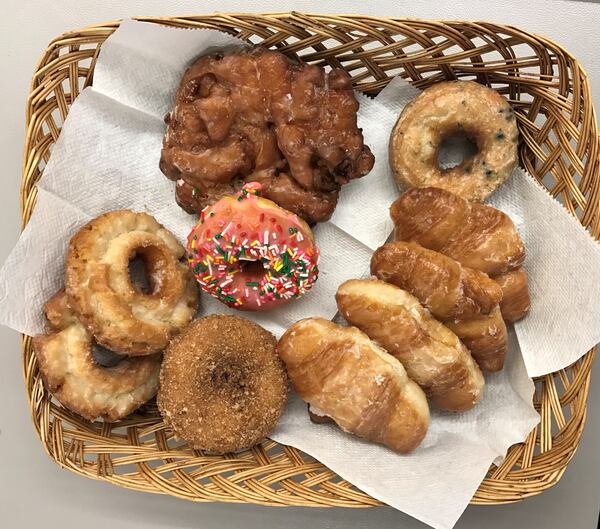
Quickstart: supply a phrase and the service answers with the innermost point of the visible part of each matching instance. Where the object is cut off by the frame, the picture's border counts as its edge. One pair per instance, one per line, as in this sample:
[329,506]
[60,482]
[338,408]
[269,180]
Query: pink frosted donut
[251,254]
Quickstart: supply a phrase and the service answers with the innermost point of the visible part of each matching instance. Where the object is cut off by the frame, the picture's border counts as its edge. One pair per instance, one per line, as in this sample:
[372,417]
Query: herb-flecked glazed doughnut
[446,109]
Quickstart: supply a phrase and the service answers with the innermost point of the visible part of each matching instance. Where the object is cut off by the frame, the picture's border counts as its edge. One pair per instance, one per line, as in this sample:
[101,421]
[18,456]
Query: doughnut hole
[105,357]
[255,269]
[145,270]
[138,275]
[456,148]
[229,376]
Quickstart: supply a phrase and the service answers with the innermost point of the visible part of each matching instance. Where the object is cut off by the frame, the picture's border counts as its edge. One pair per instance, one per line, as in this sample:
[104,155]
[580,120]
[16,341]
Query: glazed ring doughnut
[222,385]
[70,372]
[448,108]
[118,313]
[251,254]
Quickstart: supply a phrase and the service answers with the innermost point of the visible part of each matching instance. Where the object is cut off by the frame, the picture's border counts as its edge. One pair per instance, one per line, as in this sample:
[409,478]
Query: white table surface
[35,492]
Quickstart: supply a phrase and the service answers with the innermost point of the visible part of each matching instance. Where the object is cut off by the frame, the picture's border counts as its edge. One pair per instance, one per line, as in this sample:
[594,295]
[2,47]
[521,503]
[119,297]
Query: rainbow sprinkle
[215,256]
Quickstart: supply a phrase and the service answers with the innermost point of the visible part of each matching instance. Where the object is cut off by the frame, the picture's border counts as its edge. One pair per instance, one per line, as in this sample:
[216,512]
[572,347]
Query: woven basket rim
[498,479]
[157,19]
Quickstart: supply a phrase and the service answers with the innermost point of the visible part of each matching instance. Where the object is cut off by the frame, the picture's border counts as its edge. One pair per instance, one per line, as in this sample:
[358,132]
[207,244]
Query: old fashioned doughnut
[465,300]
[70,372]
[222,385]
[117,312]
[251,254]
[344,375]
[432,355]
[446,109]
[254,115]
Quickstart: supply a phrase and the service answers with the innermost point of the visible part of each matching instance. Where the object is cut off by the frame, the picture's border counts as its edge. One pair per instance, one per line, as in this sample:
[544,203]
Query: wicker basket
[560,147]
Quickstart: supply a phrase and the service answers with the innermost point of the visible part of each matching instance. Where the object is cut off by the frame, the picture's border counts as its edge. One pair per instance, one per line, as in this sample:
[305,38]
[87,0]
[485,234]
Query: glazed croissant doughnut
[448,289]
[475,235]
[464,299]
[515,294]
[349,378]
[431,354]
[486,338]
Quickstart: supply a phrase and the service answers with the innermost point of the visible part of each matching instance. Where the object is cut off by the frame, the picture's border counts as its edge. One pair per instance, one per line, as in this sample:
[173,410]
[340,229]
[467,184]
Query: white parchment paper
[107,157]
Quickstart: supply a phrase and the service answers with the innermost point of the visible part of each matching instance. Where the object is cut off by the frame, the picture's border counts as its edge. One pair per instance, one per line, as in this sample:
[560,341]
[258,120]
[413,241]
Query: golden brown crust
[71,374]
[444,109]
[449,290]
[486,337]
[515,294]
[318,418]
[352,380]
[253,115]
[58,312]
[431,354]
[464,299]
[475,235]
[222,386]
[99,288]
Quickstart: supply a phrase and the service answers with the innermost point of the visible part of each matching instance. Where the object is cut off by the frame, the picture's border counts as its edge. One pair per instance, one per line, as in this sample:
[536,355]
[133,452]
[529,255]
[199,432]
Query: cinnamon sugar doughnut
[119,315]
[70,372]
[222,385]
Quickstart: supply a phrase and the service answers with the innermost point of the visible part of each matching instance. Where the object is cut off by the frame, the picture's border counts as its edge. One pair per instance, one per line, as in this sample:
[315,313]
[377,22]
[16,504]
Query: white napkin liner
[107,158]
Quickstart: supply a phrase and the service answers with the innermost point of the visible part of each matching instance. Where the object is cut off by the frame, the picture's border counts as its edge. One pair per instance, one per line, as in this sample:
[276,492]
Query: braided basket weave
[559,146]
